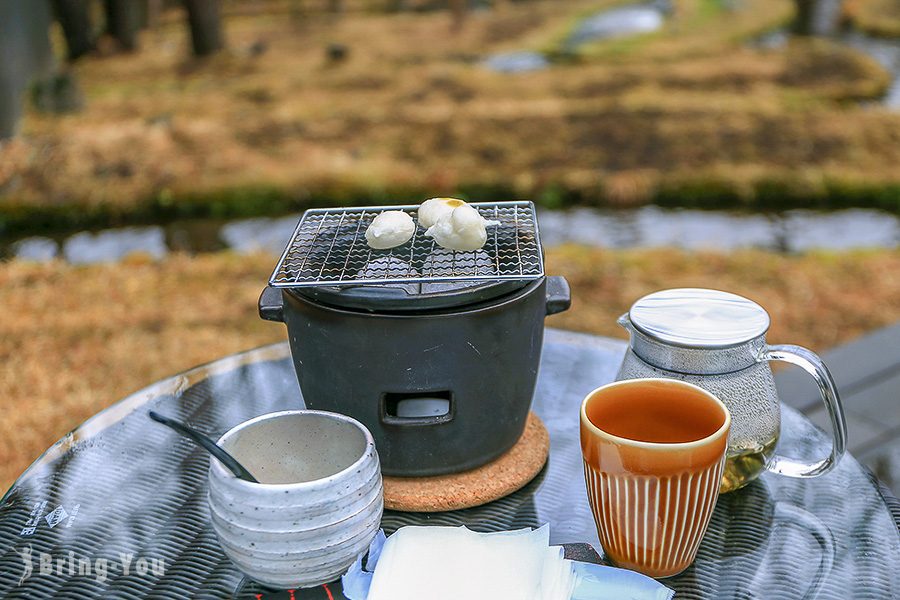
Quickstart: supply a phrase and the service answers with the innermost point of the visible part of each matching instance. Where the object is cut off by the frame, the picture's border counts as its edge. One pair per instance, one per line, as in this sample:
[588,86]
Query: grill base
[483,360]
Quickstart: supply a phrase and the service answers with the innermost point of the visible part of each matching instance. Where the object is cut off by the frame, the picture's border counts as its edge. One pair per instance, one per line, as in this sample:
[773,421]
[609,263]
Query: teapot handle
[810,362]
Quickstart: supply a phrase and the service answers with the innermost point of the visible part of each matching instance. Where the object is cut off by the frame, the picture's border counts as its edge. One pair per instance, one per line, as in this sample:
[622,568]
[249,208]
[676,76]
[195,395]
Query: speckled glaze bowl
[318,505]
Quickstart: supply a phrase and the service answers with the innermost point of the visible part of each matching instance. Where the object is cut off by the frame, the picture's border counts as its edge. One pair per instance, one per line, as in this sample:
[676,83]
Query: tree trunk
[816,17]
[803,16]
[123,21]
[74,17]
[27,56]
[205,21]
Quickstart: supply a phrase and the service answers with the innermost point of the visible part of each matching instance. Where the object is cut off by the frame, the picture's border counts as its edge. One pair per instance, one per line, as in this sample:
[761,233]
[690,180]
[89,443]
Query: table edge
[170,385]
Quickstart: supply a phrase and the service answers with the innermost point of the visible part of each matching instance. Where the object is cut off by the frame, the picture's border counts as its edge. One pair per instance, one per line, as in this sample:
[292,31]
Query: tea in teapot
[717,340]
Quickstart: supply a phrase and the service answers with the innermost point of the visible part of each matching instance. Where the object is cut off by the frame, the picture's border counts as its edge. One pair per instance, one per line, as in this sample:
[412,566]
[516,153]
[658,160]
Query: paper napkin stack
[449,563]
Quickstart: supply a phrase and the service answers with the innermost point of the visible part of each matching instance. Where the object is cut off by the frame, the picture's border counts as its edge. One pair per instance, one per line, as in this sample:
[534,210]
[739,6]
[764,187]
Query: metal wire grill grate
[329,248]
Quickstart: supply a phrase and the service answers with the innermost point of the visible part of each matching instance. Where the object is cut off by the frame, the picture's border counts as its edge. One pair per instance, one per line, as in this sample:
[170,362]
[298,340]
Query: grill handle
[559,296]
[271,305]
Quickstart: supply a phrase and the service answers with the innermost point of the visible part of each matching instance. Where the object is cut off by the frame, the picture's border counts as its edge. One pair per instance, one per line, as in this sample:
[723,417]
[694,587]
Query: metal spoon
[208,444]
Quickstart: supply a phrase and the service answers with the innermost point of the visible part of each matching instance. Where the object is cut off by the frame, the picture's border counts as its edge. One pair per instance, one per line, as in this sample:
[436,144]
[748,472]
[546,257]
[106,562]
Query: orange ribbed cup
[653,453]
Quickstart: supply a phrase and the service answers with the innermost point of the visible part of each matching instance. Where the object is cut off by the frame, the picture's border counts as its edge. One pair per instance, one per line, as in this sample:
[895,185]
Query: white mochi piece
[463,229]
[390,229]
[453,563]
[434,209]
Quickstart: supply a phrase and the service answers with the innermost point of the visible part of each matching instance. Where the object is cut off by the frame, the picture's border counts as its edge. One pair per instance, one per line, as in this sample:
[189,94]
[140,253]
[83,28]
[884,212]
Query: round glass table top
[118,507]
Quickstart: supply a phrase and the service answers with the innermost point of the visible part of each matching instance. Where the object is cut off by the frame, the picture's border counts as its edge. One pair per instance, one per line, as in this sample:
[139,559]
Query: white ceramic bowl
[319,504]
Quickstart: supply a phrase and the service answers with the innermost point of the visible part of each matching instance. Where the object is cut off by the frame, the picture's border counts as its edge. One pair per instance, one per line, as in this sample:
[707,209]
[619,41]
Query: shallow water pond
[622,21]
[791,231]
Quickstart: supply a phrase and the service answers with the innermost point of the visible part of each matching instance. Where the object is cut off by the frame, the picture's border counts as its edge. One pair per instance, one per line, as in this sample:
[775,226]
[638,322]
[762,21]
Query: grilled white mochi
[434,209]
[462,229]
[390,229]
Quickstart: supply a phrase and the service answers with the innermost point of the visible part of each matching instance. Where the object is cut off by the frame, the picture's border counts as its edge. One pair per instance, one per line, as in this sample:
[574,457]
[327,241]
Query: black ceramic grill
[329,248]
[435,351]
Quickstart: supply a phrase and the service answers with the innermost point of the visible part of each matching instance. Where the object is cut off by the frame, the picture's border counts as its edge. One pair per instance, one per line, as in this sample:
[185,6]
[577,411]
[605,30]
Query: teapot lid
[699,318]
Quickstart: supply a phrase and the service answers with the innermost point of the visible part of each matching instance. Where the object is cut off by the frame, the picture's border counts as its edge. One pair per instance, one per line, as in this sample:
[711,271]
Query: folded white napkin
[449,563]
[593,582]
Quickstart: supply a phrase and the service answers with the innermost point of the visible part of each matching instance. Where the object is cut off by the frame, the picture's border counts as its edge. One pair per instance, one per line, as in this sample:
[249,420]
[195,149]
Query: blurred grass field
[692,114]
[73,340]
[878,17]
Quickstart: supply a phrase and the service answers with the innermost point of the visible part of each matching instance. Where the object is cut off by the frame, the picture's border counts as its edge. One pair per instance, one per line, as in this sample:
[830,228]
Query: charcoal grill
[435,351]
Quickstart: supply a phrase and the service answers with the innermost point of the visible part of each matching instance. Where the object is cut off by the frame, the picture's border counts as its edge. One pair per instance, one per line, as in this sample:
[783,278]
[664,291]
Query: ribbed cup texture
[649,523]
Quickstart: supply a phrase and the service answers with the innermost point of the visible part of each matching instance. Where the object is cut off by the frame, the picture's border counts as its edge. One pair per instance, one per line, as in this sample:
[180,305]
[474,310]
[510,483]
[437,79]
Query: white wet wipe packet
[449,563]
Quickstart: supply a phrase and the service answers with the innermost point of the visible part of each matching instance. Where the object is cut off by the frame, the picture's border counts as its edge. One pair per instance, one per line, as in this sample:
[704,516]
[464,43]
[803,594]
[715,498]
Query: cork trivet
[506,474]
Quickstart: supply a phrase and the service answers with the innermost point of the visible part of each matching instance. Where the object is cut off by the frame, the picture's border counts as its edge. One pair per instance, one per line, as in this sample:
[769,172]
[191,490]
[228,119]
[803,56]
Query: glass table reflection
[122,489]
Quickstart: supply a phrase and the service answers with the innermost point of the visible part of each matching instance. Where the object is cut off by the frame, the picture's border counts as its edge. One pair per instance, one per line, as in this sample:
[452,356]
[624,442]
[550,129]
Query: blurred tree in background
[123,21]
[27,54]
[74,17]
[817,17]
[205,22]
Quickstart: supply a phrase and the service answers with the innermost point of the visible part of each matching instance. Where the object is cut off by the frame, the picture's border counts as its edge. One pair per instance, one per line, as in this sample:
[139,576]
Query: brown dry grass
[75,339]
[818,300]
[878,17]
[411,109]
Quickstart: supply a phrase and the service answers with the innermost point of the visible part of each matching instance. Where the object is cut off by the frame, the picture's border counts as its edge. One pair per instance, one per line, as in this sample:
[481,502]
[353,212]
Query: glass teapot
[717,340]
